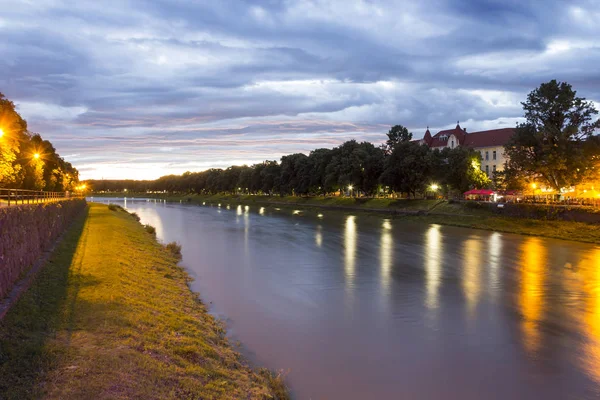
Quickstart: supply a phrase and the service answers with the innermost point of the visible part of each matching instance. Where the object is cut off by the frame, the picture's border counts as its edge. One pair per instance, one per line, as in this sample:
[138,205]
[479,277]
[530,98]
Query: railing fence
[9,197]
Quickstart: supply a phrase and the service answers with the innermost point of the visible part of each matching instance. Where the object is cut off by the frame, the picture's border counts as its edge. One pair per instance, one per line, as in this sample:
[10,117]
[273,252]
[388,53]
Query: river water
[363,307]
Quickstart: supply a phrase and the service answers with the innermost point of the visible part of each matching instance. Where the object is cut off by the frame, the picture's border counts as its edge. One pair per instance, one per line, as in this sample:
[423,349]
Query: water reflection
[591,275]
[350,238]
[238,210]
[494,255]
[386,255]
[531,295]
[319,236]
[261,211]
[331,300]
[433,263]
[471,279]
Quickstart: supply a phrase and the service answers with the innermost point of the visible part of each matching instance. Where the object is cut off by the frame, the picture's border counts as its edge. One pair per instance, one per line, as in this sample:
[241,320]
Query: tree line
[26,160]
[401,166]
[556,146]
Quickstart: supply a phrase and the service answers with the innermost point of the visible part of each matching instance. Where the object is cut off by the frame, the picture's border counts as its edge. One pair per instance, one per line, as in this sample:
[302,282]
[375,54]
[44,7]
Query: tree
[462,171]
[295,178]
[396,134]
[357,164]
[408,168]
[13,135]
[553,145]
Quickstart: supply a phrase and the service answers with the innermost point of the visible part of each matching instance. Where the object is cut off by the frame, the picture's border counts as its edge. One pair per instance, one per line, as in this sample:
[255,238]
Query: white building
[489,143]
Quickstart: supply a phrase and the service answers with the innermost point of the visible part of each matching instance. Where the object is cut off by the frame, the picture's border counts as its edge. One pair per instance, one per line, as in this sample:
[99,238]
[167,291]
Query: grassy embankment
[111,317]
[439,212]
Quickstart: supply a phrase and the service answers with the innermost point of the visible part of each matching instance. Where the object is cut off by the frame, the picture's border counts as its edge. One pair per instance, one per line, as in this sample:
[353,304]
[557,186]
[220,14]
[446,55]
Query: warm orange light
[36,156]
[1,132]
[533,185]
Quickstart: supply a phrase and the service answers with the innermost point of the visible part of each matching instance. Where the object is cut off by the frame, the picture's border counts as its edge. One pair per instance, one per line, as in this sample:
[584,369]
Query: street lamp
[1,132]
[36,156]
[350,187]
[434,187]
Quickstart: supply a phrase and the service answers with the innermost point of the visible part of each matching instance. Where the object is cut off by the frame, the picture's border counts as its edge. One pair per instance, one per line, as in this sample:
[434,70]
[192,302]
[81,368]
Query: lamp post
[350,187]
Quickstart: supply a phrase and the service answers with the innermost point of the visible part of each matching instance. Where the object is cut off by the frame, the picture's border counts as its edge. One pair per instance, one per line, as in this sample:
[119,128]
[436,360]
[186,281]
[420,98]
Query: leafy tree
[14,130]
[295,178]
[396,134]
[318,161]
[357,164]
[554,145]
[271,181]
[408,168]
[463,169]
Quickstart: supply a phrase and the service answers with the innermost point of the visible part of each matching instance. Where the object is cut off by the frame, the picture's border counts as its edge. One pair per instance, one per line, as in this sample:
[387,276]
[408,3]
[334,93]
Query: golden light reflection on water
[238,210]
[261,211]
[433,265]
[531,294]
[590,270]
[471,279]
[319,236]
[386,255]
[350,239]
[494,256]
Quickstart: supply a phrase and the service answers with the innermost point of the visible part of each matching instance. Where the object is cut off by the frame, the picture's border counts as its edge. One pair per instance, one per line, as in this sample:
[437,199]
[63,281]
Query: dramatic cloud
[144,88]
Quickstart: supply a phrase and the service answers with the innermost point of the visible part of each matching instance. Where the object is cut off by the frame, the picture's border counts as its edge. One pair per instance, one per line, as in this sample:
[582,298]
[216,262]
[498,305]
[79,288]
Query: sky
[144,88]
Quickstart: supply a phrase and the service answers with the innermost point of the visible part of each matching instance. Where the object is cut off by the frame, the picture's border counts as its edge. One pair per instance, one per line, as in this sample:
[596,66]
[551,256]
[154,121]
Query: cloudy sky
[143,88]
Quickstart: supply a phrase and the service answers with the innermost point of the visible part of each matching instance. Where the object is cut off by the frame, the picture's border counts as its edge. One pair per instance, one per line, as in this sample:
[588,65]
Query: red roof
[482,192]
[437,141]
[491,138]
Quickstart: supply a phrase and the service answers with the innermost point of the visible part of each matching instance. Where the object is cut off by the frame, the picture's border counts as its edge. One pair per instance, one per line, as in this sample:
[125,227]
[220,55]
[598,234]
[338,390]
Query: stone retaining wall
[26,231]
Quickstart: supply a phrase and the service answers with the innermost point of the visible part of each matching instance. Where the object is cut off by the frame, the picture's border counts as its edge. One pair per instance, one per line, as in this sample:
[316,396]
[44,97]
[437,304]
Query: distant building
[489,143]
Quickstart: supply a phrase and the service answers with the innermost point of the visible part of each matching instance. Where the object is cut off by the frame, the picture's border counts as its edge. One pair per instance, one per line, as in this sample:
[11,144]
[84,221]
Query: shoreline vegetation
[111,315]
[460,214]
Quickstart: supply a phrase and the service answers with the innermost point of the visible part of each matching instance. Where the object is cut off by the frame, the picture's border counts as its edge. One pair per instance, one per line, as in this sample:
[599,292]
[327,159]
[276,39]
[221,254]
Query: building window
[494,155]
[453,144]
[487,170]
[487,155]
[494,168]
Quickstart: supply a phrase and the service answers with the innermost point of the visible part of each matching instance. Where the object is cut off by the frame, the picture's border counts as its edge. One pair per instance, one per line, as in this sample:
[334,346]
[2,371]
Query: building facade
[489,143]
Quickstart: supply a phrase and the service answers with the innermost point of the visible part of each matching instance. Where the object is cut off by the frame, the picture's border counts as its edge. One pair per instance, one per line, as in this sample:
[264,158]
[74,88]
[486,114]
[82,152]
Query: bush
[114,207]
[175,249]
[135,216]
[150,229]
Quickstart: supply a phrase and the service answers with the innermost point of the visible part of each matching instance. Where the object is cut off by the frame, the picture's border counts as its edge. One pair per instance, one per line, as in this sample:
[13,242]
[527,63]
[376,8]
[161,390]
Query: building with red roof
[489,143]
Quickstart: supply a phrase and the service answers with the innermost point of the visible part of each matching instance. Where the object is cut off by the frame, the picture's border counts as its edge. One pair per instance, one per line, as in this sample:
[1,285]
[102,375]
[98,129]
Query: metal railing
[10,197]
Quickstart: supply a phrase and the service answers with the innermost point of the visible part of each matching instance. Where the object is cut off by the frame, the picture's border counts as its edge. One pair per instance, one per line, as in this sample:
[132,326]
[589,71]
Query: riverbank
[111,316]
[466,215]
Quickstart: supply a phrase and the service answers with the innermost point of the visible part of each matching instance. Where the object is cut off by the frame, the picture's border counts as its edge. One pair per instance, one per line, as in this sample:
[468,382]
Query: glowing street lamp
[350,187]
[533,186]
[1,132]
[36,156]
[434,187]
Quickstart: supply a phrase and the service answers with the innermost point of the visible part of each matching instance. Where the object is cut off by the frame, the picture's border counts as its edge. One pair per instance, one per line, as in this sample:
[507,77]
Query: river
[364,307]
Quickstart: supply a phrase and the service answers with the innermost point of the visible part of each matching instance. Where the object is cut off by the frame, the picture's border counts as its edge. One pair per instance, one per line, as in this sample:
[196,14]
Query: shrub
[175,249]
[135,216]
[150,229]
[114,207]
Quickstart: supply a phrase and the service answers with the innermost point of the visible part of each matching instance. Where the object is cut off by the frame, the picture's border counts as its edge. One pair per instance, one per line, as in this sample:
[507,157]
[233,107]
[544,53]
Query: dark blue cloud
[149,87]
